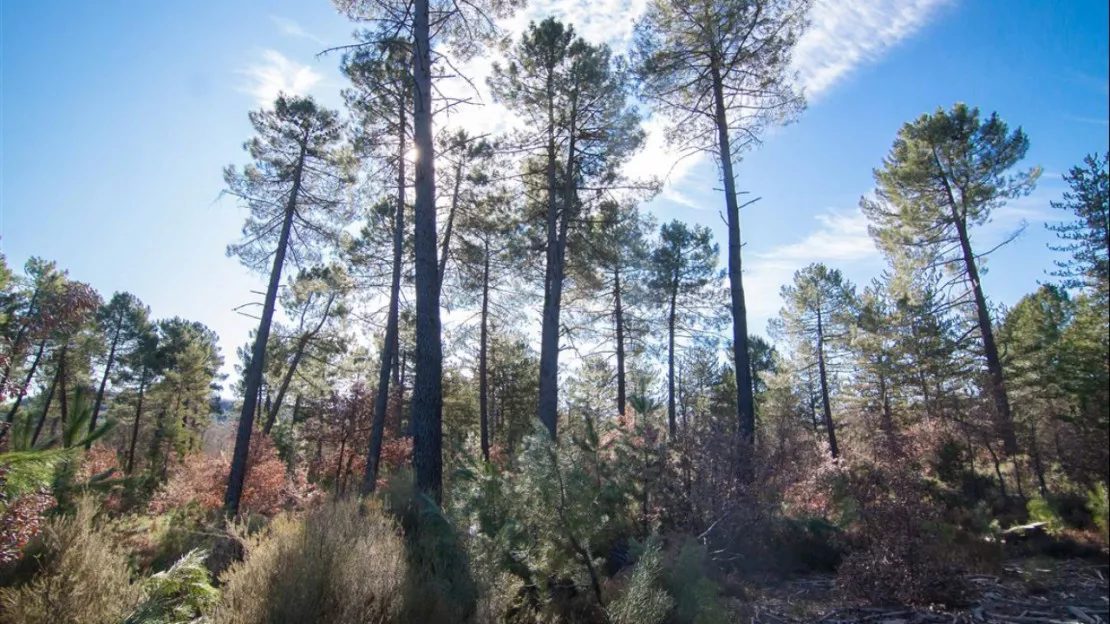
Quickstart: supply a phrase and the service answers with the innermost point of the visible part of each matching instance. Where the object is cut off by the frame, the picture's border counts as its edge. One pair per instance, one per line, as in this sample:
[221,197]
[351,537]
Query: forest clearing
[490,379]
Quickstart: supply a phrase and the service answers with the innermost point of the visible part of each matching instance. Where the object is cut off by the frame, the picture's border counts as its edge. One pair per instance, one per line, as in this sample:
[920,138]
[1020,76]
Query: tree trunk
[63,391]
[884,396]
[427,397]
[618,315]
[745,399]
[238,472]
[135,427]
[46,405]
[272,409]
[483,364]
[1038,467]
[17,344]
[825,404]
[672,425]
[444,253]
[23,388]
[548,403]
[389,354]
[986,329]
[104,380]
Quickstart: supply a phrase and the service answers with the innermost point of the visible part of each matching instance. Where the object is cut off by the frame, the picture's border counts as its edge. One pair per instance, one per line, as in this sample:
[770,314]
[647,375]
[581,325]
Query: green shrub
[438,586]
[1098,503]
[180,594]
[340,563]
[689,579]
[1041,510]
[643,601]
[84,576]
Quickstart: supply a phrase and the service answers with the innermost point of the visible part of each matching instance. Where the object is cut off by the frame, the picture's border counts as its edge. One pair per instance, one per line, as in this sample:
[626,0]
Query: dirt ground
[1027,591]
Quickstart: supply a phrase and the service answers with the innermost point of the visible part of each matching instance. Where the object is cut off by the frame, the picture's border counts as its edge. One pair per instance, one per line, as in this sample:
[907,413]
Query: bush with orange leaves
[202,479]
[20,521]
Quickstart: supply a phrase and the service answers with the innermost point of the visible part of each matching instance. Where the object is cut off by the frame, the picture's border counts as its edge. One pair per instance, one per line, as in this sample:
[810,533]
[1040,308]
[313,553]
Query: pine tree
[719,70]
[123,320]
[295,193]
[944,175]
[423,27]
[1088,236]
[683,266]
[575,97]
[818,314]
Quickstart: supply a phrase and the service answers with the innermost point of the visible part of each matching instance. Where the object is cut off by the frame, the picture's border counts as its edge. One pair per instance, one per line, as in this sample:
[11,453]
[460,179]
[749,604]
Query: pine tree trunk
[427,397]
[63,391]
[547,405]
[672,424]
[17,344]
[389,345]
[745,399]
[135,427]
[104,379]
[446,246]
[618,314]
[238,472]
[46,405]
[986,328]
[825,403]
[483,364]
[884,396]
[298,354]
[23,388]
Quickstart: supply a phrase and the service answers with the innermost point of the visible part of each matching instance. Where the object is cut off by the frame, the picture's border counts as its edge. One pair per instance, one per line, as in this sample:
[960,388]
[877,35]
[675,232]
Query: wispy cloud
[848,33]
[1098,121]
[840,239]
[274,74]
[291,27]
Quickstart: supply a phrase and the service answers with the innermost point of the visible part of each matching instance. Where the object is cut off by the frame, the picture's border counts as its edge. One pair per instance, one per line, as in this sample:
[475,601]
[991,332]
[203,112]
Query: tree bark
[389,345]
[745,400]
[135,427]
[427,398]
[826,406]
[618,314]
[23,388]
[483,364]
[672,424]
[238,472]
[104,379]
[547,405]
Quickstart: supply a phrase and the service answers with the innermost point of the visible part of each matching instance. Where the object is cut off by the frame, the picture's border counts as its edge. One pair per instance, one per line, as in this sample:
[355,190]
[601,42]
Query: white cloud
[292,28]
[276,74]
[845,34]
[840,239]
[1096,121]
[597,21]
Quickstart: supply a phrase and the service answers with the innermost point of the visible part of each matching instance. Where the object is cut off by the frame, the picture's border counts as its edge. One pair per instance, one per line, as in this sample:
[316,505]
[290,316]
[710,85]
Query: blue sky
[117,118]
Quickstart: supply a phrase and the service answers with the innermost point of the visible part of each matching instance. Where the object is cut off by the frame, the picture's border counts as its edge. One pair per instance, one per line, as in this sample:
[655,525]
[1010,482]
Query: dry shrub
[84,576]
[99,460]
[201,480]
[901,553]
[340,563]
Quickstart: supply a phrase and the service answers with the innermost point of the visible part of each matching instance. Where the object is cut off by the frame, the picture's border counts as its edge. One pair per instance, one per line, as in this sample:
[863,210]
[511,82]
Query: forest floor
[1027,591]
